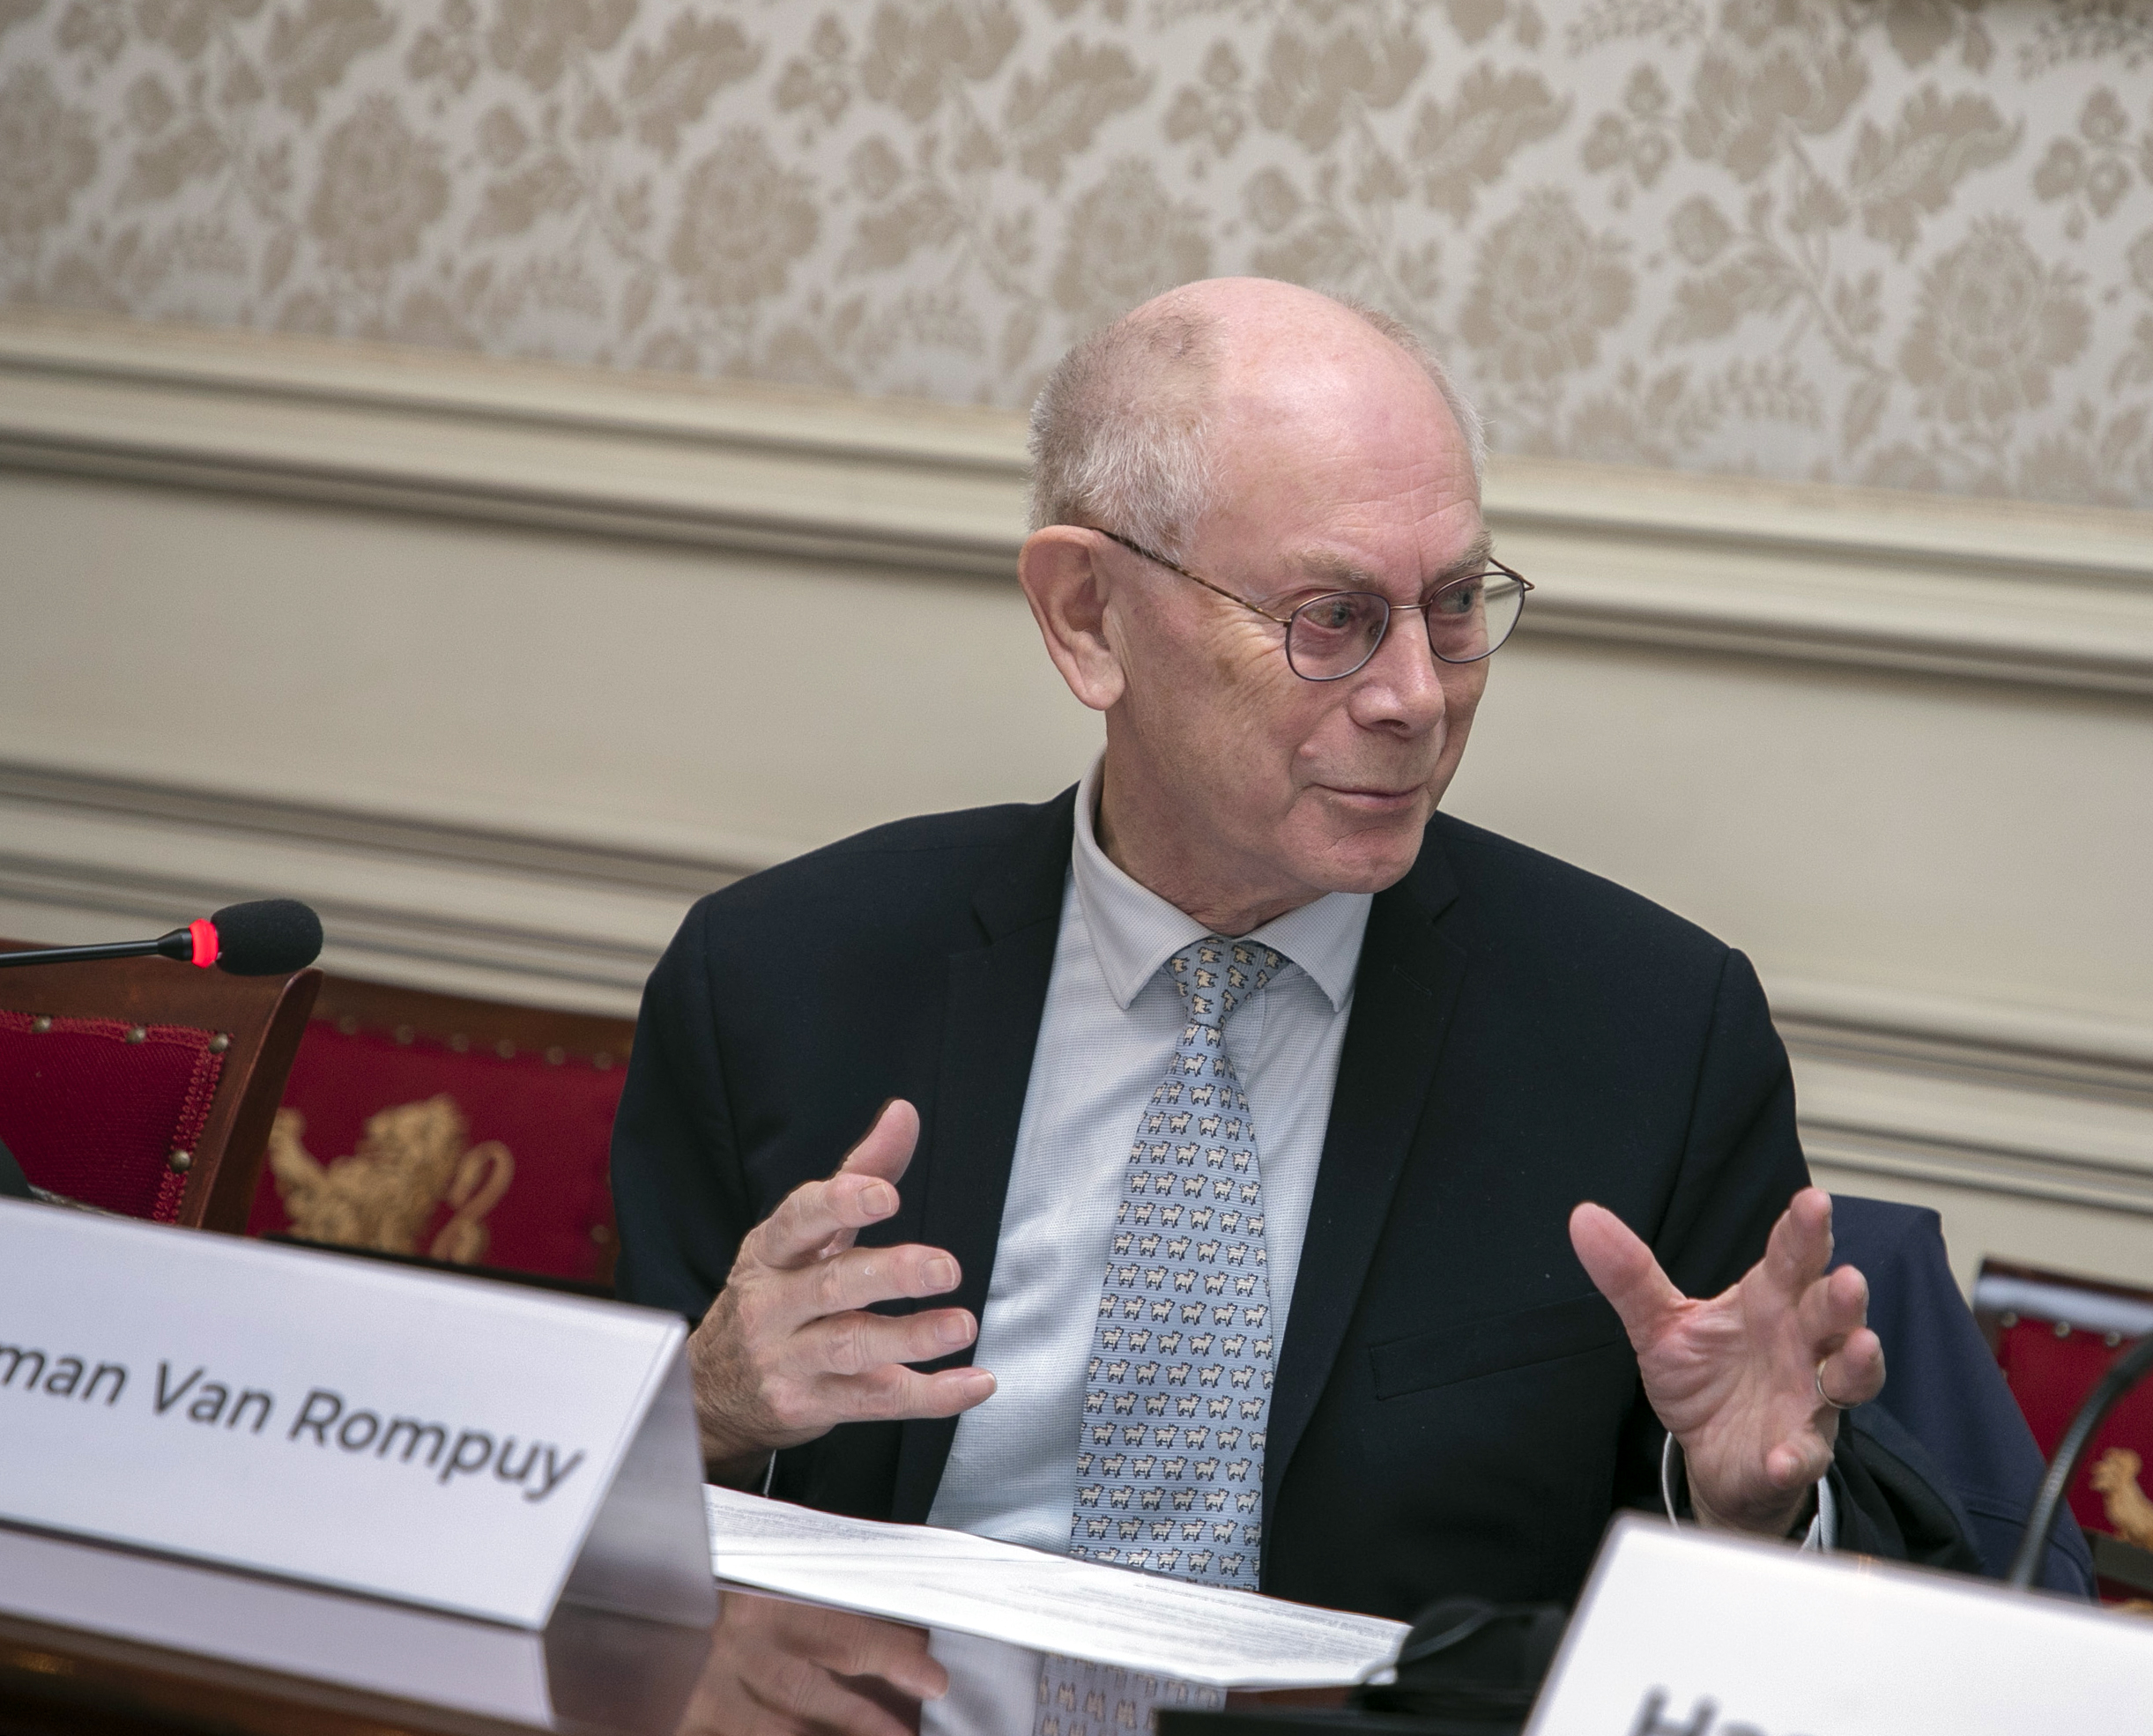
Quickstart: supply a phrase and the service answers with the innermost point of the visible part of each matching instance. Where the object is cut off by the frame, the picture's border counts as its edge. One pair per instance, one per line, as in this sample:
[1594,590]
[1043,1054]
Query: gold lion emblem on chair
[2115,1478]
[411,1159]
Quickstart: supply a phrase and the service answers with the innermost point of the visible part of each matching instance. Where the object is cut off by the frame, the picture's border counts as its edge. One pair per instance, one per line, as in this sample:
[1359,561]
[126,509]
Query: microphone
[267,936]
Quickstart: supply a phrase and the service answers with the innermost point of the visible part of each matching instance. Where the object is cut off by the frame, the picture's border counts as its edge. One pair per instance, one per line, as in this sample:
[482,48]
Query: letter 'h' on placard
[477,1448]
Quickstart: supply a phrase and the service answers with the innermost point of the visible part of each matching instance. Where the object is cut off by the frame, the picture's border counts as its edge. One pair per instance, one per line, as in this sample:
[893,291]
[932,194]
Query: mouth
[1374,799]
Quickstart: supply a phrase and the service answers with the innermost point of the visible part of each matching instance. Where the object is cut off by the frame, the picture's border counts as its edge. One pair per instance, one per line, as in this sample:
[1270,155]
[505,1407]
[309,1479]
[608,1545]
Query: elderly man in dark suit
[1230,1120]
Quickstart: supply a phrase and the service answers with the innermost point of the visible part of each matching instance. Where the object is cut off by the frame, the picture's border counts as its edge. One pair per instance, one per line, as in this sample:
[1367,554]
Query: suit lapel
[997,992]
[1404,990]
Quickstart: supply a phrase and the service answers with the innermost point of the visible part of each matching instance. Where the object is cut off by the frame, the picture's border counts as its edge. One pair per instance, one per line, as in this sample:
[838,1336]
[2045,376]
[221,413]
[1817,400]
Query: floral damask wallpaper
[1898,241]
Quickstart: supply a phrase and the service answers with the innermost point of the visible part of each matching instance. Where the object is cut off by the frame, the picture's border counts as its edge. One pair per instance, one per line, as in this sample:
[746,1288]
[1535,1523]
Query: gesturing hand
[788,1351]
[1735,1377]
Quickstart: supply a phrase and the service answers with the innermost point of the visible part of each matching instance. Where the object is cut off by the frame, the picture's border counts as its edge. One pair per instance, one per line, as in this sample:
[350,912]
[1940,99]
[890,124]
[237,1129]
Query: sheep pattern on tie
[1177,1391]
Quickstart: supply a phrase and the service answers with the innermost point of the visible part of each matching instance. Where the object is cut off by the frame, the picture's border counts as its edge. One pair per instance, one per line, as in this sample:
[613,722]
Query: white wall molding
[2016,1122]
[732,465]
[550,920]
[405,831]
[1994,591]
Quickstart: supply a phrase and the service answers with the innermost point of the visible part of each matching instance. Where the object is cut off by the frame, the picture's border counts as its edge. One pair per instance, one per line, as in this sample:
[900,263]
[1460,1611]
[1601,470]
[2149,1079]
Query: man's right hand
[788,1350]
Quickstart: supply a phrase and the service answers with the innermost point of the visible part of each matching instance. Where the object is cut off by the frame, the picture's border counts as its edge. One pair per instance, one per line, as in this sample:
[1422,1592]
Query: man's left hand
[1735,1377]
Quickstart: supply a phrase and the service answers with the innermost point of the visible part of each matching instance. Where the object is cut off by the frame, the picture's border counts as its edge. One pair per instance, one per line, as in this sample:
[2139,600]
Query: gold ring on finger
[1823,1396]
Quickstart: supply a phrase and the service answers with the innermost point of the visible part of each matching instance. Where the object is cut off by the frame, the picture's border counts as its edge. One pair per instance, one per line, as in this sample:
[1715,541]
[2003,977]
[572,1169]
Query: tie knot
[1216,975]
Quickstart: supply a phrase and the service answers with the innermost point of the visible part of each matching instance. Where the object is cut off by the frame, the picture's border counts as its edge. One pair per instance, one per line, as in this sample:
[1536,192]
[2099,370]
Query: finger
[894,1392]
[783,1302]
[1622,1268]
[857,1342]
[805,1698]
[885,1150]
[862,1646]
[1793,1464]
[1801,1244]
[1832,1308]
[862,1277]
[900,1703]
[1854,1373]
[818,1219]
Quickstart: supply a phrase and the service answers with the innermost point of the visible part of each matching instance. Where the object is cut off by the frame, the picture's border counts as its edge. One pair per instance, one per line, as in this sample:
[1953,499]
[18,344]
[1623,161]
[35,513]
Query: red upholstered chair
[144,1087]
[465,1130]
[2055,1334]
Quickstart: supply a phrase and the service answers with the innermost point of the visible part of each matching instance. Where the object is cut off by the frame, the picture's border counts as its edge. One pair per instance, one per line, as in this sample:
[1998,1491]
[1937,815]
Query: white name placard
[1683,1634]
[466,1446]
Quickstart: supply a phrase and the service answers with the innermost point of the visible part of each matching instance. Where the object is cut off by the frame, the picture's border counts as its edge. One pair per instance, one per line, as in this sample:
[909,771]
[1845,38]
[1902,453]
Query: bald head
[1126,433]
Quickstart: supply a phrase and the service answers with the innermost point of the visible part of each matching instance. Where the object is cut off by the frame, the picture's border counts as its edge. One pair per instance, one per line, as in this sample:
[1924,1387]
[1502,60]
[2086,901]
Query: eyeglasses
[1330,637]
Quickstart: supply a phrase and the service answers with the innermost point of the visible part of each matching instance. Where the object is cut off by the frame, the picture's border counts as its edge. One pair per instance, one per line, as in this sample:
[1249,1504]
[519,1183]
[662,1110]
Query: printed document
[951,1579]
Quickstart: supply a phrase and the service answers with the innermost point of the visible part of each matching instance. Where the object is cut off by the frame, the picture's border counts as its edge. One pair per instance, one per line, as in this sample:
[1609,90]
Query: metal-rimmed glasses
[1330,637]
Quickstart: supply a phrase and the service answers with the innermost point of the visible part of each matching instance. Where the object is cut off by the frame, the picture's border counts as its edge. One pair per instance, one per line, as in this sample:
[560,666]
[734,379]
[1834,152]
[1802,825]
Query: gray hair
[1120,433]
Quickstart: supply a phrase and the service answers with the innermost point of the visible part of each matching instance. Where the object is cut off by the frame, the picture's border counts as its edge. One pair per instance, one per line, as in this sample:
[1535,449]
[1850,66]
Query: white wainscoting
[501,664]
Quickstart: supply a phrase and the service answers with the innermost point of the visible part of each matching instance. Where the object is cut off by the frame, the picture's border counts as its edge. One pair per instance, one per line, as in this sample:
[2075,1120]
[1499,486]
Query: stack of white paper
[951,1579]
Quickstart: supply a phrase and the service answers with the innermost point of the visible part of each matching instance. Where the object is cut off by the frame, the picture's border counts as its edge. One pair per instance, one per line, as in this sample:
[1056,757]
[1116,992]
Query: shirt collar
[1135,931]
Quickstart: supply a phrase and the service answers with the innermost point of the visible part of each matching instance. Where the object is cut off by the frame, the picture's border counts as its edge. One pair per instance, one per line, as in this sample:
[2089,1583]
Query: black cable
[2125,1373]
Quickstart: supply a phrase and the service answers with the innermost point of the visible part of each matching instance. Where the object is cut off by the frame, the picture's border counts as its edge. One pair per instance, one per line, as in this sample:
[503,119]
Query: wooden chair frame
[264,1016]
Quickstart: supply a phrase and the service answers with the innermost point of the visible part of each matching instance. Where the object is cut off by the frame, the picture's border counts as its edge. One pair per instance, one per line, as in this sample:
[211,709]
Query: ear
[1067,590]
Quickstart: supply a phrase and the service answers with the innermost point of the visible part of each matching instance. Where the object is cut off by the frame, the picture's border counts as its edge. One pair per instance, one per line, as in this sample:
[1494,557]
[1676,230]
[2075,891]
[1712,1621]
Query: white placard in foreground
[428,1439]
[966,1584]
[409,1654]
[1682,1634]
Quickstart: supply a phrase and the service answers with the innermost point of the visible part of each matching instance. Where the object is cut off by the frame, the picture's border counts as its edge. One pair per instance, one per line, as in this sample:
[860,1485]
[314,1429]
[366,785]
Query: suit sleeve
[1742,1163]
[679,1196]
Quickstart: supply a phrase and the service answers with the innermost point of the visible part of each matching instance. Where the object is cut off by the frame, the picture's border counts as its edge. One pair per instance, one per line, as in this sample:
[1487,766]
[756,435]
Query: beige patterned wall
[1896,242]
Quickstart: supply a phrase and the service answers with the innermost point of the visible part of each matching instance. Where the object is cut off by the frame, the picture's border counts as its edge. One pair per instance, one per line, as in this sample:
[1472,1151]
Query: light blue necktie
[1177,1391]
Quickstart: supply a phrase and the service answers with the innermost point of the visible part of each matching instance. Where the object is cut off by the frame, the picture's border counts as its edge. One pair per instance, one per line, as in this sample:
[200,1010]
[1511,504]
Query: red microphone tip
[204,933]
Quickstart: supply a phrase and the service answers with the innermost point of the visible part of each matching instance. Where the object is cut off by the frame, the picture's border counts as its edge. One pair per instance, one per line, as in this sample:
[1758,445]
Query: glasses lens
[1335,634]
[1469,620]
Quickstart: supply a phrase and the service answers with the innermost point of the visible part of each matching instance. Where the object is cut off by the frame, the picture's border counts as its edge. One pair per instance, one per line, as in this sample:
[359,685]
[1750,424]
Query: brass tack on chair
[2063,1328]
[219,1044]
[180,1161]
[2007,1321]
[505,1049]
[602,1061]
[556,1056]
[137,1034]
[406,1035]
[41,1024]
[348,1025]
[458,1042]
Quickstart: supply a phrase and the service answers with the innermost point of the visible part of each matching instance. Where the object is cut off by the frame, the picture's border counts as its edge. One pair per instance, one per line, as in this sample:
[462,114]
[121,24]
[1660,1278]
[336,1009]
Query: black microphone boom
[266,937]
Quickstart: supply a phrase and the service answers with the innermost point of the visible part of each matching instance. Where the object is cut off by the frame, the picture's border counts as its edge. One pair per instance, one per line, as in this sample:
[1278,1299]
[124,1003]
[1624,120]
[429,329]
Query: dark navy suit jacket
[1944,1390]
[1457,1410]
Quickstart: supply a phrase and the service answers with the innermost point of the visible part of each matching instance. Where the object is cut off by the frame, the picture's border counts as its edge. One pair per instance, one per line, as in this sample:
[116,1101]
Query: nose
[1400,689]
